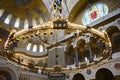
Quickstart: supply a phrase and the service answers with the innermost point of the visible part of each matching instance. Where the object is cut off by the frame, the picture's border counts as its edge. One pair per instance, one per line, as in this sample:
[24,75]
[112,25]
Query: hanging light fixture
[57,23]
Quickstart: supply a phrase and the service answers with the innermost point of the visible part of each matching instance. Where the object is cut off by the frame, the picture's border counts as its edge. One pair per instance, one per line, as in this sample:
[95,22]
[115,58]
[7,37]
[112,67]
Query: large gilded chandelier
[57,22]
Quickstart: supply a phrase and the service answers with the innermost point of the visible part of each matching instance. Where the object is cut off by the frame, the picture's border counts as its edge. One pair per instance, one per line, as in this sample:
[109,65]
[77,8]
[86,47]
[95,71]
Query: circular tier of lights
[57,24]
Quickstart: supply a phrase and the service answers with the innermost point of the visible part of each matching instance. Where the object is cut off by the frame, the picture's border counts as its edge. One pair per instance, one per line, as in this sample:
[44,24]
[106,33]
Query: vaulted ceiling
[24,8]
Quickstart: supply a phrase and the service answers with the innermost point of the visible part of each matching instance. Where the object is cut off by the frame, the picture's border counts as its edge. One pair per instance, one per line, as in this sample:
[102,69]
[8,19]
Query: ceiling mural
[24,8]
[23,13]
[94,12]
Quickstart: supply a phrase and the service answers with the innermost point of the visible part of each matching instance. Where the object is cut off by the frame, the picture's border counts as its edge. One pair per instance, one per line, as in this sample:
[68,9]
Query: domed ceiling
[19,14]
[24,8]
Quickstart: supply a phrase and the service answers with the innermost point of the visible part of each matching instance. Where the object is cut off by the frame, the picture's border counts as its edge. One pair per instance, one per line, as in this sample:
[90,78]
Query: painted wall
[112,6]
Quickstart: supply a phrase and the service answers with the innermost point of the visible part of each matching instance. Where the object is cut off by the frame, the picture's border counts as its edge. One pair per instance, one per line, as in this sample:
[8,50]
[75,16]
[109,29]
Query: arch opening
[5,75]
[70,55]
[115,40]
[111,30]
[78,76]
[104,74]
[80,49]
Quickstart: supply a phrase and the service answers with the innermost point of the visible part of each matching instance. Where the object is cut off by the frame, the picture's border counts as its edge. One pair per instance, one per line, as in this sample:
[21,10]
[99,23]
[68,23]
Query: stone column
[90,51]
[76,58]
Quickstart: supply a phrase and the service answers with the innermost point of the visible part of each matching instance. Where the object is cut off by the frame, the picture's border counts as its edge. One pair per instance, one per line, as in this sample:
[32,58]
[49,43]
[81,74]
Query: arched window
[34,23]
[94,12]
[1,12]
[41,20]
[7,20]
[48,4]
[41,48]
[28,46]
[26,23]
[35,48]
[17,22]
[86,59]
